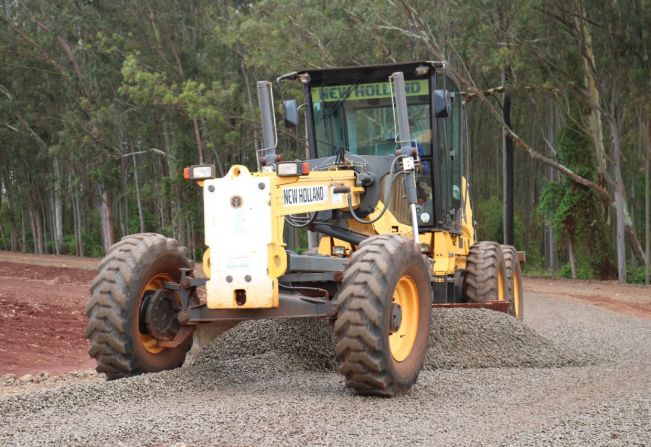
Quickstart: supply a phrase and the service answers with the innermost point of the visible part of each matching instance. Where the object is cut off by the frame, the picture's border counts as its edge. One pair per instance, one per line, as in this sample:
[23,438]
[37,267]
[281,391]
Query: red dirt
[42,318]
[50,260]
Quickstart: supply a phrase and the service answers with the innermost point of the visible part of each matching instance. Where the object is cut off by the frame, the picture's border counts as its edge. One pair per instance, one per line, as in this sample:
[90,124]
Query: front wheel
[383,316]
[129,284]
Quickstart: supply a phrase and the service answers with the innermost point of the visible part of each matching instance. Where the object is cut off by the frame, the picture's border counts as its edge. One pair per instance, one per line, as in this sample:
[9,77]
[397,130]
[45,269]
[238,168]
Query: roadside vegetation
[103,103]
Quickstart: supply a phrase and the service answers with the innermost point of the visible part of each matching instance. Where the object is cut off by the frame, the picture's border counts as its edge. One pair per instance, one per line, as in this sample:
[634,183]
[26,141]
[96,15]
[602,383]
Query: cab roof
[369,73]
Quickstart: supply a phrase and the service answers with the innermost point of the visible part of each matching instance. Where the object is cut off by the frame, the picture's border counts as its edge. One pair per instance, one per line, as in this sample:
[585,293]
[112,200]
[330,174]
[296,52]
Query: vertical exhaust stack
[406,149]
[269,136]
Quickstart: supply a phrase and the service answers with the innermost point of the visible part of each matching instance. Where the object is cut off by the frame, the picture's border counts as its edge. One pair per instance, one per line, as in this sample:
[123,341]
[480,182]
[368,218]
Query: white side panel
[238,232]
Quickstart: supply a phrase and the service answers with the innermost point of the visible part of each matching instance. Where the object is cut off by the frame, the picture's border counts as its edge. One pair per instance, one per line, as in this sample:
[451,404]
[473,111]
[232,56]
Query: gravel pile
[469,338]
[308,345]
[12,384]
[459,338]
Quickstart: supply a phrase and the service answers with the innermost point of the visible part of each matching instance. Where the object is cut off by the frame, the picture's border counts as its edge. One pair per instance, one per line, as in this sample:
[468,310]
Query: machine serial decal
[305,195]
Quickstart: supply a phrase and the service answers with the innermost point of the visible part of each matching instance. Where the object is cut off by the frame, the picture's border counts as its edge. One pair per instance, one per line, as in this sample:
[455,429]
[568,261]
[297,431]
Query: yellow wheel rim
[500,287]
[401,342]
[155,283]
[516,295]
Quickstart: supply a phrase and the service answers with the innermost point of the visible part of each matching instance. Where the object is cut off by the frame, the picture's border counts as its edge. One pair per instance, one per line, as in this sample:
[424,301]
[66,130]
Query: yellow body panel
[286,195]
[315,192]
[448,250]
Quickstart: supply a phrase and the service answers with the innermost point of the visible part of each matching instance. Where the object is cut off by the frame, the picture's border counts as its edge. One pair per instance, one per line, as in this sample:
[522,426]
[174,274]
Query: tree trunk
[570,253]
[58,207]
[647,211]
[38,222]
[52,222]
[647,206]
[124,219]
[106,217]
[176,209]
[2,236]
[592,90]
[23,234]
[507,167]
[2,232]
[197,138]
[620,224]
[138,200]
[79,241]
[13,227]
[214,150]
[44,224]
[249,96]
[35,223]
[631,202]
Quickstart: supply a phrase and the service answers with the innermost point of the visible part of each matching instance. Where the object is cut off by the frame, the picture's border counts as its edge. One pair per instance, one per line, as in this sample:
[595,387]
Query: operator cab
[351,109]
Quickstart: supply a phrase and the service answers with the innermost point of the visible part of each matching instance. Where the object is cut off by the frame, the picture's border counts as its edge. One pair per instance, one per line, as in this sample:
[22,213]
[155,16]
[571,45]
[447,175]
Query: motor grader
[382,195]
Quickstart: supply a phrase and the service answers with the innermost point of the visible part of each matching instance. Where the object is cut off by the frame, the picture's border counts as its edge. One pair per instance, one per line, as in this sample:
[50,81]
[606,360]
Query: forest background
[103,102]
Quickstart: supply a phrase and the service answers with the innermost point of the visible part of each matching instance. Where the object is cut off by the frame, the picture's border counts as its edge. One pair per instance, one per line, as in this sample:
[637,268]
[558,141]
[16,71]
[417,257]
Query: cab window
[360,119]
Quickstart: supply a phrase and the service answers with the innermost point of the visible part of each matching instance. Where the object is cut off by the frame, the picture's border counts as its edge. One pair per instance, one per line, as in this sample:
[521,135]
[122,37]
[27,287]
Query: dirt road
[270,399]
[42,318]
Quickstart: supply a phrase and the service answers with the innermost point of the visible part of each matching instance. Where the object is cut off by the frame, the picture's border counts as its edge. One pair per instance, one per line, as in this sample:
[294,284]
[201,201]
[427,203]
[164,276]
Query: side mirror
[290,109]
[442,103]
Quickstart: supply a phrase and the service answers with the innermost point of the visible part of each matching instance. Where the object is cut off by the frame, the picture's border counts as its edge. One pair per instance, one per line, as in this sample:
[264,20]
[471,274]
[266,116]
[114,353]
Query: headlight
[287,169]
[199,172]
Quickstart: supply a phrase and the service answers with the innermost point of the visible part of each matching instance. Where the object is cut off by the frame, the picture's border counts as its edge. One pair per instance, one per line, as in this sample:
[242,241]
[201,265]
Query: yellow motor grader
[383,198]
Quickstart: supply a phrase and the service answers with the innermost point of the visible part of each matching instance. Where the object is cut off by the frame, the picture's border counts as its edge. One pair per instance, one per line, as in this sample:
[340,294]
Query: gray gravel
[459,338]
[579,376]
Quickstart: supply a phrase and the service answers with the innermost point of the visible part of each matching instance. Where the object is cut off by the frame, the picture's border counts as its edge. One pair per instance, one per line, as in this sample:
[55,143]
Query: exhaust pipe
[269,135]
[406,149]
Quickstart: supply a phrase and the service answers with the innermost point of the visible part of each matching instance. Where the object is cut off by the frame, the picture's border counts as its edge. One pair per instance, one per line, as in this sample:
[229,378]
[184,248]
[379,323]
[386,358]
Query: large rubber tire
[485,278]
[137,263]
[384,270]
[514,281]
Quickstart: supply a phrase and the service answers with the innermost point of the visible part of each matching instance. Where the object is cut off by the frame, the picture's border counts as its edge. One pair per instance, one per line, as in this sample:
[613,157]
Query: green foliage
[489,217]
[175,81]
[576,212]
[583,271]
[635,274]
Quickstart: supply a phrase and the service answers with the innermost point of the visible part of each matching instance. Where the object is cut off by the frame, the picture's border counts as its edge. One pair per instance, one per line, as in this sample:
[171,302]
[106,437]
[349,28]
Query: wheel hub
[160,315]
[396,317]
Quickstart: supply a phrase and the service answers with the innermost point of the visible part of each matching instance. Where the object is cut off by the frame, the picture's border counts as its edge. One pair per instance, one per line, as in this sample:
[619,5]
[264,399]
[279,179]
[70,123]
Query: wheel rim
[155,283]
[500,288]
[401,342]
[516,295]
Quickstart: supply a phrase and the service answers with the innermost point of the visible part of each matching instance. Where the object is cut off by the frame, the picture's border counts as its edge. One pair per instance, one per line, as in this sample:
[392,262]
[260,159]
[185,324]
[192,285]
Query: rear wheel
[513,281]
[485,278]
[130,311]
[383,316]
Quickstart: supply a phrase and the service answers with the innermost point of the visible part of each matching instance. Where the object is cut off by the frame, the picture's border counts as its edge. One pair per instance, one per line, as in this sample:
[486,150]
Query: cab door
[448,108]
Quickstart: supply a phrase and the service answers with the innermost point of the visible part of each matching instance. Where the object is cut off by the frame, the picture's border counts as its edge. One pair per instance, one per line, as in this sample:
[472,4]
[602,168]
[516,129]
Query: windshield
[359,118]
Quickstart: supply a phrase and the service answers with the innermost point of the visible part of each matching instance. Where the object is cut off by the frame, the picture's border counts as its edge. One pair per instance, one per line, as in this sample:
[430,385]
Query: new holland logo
[305,195]
[236,201]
